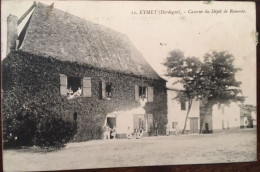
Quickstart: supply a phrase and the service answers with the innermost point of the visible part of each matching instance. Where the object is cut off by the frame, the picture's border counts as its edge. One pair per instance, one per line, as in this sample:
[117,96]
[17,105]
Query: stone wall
[34,82]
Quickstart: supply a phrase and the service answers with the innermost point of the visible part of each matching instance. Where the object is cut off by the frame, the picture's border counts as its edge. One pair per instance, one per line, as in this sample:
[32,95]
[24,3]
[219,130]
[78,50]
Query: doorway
[111,122]
[194,125]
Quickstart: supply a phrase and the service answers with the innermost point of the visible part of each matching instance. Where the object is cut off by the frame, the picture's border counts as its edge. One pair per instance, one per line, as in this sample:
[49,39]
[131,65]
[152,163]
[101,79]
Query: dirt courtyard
[226,146]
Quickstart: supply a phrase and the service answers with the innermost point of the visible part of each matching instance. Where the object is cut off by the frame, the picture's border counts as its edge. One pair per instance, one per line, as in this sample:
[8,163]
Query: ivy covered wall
[32,83]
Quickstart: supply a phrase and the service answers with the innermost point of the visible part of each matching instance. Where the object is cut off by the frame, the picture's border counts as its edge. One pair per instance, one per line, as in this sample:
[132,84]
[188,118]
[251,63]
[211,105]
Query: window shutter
[136,92]
[136,121]
[150,122]
[103,87]
[86,86]
[144,119]
[150,94]
[63,85]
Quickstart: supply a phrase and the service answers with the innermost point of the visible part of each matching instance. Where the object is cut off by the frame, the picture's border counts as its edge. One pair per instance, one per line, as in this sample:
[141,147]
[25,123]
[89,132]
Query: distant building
[177,112]
[254,114]
[225,117]
[247,116]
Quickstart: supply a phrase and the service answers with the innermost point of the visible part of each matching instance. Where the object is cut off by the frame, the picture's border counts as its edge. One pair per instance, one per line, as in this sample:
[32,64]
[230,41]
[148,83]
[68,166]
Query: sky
[173,25]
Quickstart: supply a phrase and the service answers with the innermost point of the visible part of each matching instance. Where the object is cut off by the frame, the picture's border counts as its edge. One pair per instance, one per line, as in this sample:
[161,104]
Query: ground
[228,146]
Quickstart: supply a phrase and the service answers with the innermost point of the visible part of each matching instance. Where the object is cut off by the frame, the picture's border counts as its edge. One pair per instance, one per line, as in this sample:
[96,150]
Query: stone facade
[35,80]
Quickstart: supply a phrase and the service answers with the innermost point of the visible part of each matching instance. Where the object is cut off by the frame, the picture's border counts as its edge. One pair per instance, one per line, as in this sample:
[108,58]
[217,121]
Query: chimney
[12,33]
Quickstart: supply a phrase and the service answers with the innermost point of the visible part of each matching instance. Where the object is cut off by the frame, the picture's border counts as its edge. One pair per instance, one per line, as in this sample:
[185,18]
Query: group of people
[138,133]
[72,94]
[109,132]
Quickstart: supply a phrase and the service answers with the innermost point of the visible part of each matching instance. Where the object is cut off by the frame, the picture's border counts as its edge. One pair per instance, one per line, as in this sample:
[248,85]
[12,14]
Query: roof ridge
[84,20]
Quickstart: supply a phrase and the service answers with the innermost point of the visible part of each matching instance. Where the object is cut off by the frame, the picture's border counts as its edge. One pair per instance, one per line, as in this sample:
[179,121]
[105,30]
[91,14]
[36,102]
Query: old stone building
[83,72]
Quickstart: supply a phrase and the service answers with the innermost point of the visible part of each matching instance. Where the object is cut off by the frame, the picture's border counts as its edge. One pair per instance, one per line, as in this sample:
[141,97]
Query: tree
[219,85]
[186,70]
[211,81]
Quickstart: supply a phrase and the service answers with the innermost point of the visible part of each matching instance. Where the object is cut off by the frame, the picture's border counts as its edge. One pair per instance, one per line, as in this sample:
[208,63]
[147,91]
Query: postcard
[89,84]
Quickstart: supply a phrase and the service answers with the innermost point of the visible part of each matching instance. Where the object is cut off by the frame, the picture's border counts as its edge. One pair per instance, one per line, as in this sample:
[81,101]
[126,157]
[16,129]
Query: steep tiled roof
[55,33]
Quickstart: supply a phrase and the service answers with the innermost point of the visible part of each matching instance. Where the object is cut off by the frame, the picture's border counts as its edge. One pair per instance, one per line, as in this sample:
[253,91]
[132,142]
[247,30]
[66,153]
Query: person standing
[140,134]
[156,129]
[129,133]
[107,132]
[136,132]
[114,132]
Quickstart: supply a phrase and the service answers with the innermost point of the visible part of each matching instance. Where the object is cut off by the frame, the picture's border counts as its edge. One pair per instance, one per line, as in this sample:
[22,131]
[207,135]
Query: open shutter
[136,121]
[103,87]
[150,94]
[136,92]
[86,86]
[150,122]
[63,85]
[144,119]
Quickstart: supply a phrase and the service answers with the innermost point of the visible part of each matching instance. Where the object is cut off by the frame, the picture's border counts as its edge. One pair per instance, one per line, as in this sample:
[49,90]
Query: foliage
[219,82]
[186,70]
[18,130]
[212,81]
[31,86]
[218,79]
[55,132]
[25,106]
[250,107]
[23,126]
[159,110]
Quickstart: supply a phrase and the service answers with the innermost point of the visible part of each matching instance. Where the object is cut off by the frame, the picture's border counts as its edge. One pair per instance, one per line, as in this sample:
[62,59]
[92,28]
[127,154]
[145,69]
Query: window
[183,105]
[142,92]
[174,124]
[106,89]
[75,116]
[75,86]
[246,122]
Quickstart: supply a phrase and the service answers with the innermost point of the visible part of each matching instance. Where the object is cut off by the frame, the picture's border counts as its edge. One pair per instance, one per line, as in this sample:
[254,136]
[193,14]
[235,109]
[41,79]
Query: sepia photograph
[105,84]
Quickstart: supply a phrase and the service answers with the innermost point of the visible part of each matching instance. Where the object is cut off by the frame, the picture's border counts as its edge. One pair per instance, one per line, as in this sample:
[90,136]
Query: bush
[27,130]
[18,131]
[29,121]
[55,132]
[18,126]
